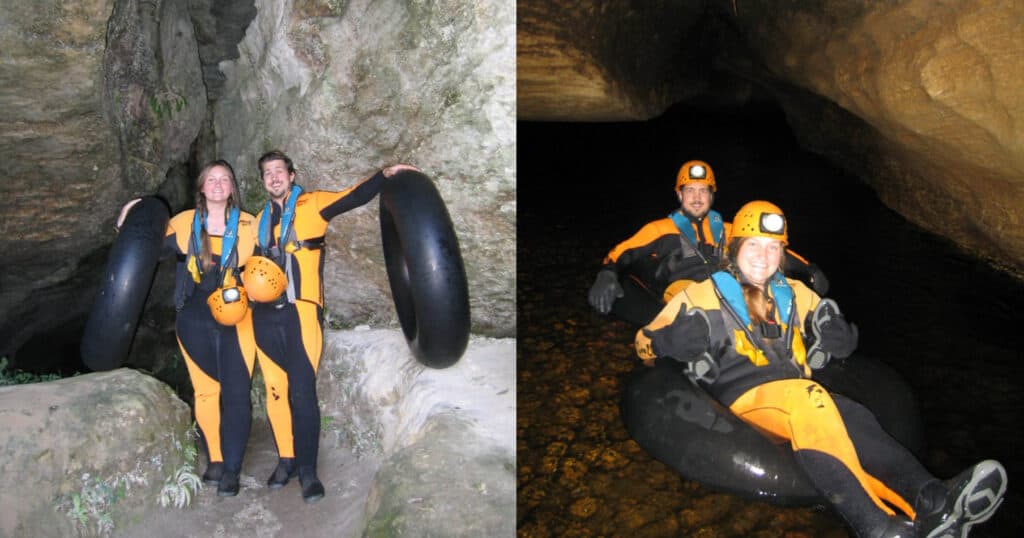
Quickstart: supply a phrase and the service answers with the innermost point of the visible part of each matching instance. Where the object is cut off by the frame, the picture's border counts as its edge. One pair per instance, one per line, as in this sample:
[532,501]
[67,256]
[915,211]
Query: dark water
[945,321]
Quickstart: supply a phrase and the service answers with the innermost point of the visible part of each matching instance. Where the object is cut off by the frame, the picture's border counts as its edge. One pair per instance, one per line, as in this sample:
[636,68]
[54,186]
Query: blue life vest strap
[287,215]
[228,243]
[732,292]
[685,227]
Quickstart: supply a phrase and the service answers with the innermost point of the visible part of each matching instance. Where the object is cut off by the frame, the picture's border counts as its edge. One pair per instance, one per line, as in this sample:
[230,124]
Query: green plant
[179,488]
[19,377]
[183,483]
[89,508]
[167,104]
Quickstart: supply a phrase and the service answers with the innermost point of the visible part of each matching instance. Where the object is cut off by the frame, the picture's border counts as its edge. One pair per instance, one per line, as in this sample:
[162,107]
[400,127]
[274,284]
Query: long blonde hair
[205,254]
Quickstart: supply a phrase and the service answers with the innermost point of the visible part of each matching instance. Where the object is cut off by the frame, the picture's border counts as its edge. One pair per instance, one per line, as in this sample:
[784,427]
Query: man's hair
[276,155]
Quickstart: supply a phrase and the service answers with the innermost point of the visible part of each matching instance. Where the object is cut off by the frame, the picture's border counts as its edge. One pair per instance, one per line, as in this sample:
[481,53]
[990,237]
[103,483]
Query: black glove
[833,335]
[605,290]
[819,282]
[686,339]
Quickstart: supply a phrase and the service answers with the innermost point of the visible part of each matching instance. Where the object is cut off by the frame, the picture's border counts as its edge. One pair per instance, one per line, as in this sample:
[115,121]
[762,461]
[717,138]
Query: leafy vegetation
[19,377]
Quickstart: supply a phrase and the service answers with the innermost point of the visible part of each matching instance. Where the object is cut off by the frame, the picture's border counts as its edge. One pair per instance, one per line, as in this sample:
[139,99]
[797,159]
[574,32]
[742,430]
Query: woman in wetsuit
[751,337]
[214,325]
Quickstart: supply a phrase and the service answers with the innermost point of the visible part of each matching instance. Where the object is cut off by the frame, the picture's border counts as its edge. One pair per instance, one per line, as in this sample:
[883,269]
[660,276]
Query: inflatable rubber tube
[131,266]
[425,271]
[679,424]
[882,390]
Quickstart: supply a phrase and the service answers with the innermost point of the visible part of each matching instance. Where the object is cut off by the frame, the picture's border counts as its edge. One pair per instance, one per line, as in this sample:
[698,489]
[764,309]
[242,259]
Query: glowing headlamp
[230,295]
[698,172]
[772,223]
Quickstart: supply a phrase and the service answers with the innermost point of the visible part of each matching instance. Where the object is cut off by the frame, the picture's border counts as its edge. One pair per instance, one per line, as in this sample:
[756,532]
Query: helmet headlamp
[698,172]
[772,223]
[760,219]
[230,295]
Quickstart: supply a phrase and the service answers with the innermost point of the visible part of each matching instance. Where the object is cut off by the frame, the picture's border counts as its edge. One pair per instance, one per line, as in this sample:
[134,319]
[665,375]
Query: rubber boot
[285,471]
[312,489]
[972,497]
[228,486]
[214,471]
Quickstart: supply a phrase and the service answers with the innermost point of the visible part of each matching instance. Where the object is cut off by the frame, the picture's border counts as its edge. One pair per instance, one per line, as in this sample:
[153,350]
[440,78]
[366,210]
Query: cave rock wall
[346,88]
[100,102]
[922,100]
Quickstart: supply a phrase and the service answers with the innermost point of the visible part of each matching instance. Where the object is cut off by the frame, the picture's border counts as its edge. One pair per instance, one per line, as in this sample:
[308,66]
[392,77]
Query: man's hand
[686,339]
[396,168]
[605,290]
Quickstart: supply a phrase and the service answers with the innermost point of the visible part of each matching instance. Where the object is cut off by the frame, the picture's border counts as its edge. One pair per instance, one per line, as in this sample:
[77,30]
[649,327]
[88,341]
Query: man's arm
[796,266]
[361,193]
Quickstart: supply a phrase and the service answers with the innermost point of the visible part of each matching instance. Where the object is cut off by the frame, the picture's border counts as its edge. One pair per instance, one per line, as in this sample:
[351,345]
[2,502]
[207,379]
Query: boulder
[83,455]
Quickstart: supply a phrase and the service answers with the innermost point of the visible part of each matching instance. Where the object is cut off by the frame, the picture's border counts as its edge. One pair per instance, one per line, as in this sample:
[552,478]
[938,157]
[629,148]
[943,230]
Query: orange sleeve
[641,243]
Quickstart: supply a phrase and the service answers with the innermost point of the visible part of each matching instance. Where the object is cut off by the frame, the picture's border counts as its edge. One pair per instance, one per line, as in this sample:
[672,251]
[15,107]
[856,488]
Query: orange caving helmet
[228,305]
[760,219]
[264,280]
[698,172]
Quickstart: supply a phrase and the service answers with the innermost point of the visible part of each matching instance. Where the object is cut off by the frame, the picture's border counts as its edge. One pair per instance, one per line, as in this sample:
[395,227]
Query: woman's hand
[685,339]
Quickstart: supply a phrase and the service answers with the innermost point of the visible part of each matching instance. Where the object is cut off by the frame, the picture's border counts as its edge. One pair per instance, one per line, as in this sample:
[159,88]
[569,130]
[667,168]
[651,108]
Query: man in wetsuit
[289,330]
[645,271]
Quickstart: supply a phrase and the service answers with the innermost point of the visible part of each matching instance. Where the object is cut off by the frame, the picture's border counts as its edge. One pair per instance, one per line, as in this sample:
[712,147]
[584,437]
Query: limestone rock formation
[101,101]
[445,438]
[605,61]
[81,453]
[920,99]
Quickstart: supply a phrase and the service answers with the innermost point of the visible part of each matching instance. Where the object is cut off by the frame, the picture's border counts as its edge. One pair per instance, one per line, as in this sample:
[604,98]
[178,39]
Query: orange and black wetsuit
[658,261]
[765,381]
[289,332]
[219,358]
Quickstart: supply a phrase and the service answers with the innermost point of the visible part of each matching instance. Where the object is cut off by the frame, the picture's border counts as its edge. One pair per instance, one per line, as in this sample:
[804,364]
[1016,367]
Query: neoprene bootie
[312,489]
[285,471]
[228,486]
[972,497]
[214,471]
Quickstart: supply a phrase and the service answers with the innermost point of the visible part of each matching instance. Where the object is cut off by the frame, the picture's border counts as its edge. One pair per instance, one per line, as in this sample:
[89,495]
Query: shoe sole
[976,503]
[313,498]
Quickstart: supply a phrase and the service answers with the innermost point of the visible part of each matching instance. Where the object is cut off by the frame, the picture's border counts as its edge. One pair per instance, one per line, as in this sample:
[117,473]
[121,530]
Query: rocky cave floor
[260,512]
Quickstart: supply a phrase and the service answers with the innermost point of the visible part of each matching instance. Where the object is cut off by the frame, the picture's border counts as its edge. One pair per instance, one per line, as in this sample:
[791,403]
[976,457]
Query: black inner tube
[679,424]
[131,266]
[425,269]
